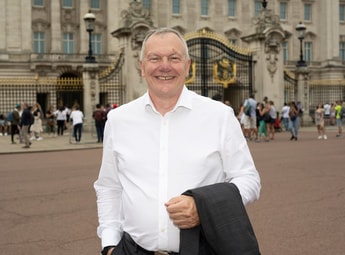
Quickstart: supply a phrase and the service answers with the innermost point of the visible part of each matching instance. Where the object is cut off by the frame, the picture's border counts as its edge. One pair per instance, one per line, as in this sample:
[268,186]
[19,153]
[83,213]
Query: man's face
[165,65]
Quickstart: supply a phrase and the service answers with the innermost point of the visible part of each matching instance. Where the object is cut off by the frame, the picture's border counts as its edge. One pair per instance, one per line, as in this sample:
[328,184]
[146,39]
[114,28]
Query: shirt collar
[185,100]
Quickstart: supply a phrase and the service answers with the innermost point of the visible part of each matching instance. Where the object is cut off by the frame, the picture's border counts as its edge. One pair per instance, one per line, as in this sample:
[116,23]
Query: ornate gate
[219,69]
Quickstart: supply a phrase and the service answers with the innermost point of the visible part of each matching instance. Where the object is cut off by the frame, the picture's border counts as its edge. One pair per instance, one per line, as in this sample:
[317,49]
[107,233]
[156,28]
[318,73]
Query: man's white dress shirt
[149,158]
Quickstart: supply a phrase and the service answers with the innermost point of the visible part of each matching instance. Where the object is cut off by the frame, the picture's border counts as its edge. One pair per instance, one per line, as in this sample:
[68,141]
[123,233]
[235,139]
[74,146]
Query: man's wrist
[106,249]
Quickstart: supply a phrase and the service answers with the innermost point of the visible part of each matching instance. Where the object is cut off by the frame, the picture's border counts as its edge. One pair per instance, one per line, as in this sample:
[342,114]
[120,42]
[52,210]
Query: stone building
[43,46]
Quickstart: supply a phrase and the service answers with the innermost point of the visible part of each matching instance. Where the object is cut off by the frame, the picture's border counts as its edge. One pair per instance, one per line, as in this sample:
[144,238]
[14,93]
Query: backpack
[248,109]
[9,117]
[342,112]
[99,116]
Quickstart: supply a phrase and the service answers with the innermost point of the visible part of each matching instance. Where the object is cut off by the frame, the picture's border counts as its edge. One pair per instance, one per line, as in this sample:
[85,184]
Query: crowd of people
[261,120]
[29,122]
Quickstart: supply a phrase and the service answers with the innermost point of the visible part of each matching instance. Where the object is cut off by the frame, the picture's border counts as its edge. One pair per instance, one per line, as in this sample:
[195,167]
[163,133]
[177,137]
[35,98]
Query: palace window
[68,43]
[231,8]
[39,42]
[96,41]
[283,10]
[204,8]
[307,12]
[94,4]
[176,7]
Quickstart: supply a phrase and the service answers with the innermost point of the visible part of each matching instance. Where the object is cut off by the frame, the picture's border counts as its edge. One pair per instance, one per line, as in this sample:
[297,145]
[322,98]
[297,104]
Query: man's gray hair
[163,30]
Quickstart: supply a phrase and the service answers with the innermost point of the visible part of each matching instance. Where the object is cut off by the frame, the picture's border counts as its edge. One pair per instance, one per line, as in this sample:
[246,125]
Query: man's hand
[110,251]
[183,212]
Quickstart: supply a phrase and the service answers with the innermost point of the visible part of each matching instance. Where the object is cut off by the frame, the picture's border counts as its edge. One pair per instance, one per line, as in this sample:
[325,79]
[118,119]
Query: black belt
[129,239]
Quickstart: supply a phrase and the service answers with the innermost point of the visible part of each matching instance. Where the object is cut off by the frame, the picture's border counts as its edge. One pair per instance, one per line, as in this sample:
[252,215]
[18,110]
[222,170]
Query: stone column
[302,94]
[55,23]
[3,35]
[91,93]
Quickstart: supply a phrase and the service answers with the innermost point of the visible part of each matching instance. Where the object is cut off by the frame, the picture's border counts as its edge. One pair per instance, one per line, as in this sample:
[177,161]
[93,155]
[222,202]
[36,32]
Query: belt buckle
[161,253]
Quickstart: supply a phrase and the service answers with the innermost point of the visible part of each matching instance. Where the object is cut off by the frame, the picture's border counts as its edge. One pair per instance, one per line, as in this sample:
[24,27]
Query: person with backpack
[99,115]
[249,108]
[339,112]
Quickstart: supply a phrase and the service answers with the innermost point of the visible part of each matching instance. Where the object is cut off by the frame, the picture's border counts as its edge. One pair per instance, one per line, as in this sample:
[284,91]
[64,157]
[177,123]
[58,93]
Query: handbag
[51,122]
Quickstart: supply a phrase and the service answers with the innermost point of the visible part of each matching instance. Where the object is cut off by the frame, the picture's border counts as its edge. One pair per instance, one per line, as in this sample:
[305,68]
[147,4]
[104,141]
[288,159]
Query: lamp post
[264,4]
[89,19]
[300,28]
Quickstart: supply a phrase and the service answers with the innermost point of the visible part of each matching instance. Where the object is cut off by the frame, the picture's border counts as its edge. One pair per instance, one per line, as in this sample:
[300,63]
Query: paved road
[47,203]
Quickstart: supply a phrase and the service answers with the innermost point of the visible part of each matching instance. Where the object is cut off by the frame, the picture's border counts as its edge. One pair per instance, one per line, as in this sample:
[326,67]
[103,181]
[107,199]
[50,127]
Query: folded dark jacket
[225,228]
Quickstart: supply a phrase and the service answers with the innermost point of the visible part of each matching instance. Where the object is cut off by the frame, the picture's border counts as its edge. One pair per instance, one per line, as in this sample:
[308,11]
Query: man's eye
[154,59]
[175,59]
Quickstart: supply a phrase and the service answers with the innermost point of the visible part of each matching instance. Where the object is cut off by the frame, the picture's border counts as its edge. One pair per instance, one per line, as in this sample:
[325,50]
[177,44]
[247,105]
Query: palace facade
[44,43]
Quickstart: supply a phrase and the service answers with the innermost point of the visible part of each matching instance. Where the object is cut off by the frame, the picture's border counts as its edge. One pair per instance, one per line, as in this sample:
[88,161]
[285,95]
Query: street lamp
[264,4]
[300,28]
[89,19]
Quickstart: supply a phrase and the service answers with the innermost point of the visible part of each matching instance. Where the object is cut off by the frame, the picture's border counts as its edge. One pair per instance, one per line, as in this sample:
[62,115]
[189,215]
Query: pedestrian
[294,121]
[327,112]
[320,122]
[15,123]
[3,125]
[339,114]
[99,115]
[50,121]
[270,124]
[249,121]
[262,116]
[285,116]
[25,123]
[162,144]
[332,115]
[36,128]
[77,117]
[61,118]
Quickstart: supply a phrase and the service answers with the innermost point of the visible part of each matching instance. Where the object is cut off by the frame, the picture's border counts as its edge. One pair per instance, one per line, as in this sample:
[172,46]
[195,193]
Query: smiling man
[158,146]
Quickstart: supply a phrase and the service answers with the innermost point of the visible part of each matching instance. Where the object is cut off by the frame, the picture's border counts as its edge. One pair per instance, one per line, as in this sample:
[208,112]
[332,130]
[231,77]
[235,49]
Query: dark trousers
[127,246]
[100,130]
[60,126]
[77,131]
[15,130]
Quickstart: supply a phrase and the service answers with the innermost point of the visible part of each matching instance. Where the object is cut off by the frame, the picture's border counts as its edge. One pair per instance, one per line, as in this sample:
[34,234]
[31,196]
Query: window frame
[283,14]
[176,7]
[257,7]
[305,14]
[39,42]
[98,4]
[308,51]
[342,12]
[285,48]
[67,4]
[232,8]
[68,43]
[342,51]
[35,4]
[204,8]
[96,42]
[147,4]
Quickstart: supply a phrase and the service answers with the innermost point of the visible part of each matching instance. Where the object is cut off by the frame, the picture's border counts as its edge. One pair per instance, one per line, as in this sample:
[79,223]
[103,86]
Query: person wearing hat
[15,128]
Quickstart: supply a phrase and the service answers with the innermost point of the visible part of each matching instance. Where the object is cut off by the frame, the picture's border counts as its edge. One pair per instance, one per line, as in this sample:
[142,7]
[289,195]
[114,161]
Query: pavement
[48,204]
[67,142]
[50,143]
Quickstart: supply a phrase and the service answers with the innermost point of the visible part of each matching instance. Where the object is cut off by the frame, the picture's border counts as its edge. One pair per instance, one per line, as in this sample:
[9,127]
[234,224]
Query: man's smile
[165,77]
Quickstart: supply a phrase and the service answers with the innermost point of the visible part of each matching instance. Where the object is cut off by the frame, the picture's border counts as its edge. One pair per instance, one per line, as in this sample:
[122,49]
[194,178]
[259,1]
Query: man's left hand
[183,212]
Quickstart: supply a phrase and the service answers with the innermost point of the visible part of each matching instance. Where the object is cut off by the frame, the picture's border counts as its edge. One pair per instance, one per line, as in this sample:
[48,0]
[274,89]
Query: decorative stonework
[135,23]
[272,50]
[266,20]
[134,14]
